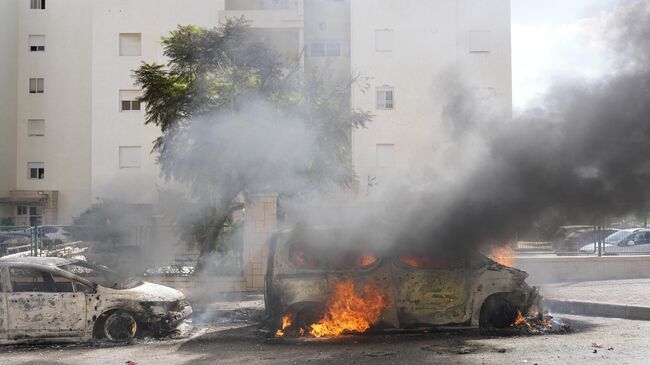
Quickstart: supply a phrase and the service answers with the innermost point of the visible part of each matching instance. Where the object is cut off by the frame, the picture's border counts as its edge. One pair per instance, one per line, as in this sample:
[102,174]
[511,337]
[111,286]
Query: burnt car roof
[31,260]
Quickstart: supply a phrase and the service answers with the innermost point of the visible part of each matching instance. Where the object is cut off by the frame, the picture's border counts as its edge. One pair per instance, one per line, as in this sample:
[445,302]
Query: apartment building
[71,131]
[403,48]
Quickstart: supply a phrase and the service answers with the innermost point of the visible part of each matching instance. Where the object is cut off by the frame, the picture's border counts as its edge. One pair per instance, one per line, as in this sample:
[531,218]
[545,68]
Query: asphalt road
[617,341]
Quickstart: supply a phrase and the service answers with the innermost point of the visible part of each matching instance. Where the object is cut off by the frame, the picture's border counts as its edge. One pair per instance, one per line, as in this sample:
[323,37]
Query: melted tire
[120,326]
[497,312]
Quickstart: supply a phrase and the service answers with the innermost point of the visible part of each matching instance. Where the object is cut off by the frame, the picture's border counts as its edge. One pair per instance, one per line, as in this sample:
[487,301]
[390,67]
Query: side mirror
[630,243]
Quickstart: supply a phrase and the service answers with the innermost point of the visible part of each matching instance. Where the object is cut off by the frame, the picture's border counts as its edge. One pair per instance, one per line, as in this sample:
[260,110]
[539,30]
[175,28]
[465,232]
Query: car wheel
[497,312]
[120,326]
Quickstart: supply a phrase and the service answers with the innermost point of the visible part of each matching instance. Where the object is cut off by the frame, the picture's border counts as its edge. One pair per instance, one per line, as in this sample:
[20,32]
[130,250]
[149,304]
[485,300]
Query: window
[280,4]
[21,210]
[36,85]
[317,49]
[28,280]
[325,49]
[62,284]
[82,288]
[130,44]
[480,41]
[385,98]
[36,170]
[37,4]
[36,43]
[384,40]
[29,215]
[35,127]
[22,215]
[129,156]
[127,100]
[333,49]
[35,216]
[385,155]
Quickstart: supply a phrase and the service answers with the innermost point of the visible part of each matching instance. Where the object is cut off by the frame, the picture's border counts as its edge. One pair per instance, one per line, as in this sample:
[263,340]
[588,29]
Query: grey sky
[553,39]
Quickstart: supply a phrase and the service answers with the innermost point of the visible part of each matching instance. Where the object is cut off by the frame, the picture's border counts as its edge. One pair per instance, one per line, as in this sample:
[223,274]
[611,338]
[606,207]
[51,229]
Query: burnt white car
[47,299]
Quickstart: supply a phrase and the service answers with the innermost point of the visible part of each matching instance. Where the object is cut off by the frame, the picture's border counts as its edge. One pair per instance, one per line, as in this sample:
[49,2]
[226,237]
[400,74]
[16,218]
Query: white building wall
[64,105]
[8,67]
[112,128]
[84,74]
[429,39]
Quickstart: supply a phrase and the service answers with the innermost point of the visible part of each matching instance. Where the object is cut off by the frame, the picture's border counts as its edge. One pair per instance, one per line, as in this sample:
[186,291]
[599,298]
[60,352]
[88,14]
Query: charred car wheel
[120,326]
[498,312]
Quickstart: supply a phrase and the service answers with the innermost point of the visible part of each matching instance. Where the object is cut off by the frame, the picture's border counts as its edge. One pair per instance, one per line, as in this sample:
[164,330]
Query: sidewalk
[629,298]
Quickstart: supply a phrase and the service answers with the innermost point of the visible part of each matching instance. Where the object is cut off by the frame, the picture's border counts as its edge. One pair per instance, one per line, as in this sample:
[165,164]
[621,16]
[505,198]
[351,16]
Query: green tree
[234,120]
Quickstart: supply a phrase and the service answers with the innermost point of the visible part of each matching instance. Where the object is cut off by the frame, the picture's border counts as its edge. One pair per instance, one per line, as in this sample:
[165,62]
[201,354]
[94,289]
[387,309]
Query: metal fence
[595,241]
[16,239]
[136,249]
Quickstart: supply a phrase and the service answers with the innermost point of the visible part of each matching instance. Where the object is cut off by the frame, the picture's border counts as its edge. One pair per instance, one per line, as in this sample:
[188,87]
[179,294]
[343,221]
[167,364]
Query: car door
[3,306]
[430,290]
[43,305]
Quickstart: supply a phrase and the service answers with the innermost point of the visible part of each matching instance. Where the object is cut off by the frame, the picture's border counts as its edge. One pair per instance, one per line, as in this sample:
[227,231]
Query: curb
[597,309]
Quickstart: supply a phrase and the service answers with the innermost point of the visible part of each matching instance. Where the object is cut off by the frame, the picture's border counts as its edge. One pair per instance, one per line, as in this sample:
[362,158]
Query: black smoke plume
[585,150]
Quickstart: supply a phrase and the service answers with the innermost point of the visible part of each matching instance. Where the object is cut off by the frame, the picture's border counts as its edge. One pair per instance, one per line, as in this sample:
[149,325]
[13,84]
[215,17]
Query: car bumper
[174,319]
[163,321]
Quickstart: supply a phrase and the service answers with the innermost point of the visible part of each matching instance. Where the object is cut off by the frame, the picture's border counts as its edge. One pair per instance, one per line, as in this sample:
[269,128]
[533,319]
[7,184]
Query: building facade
[407,51]
[72,132]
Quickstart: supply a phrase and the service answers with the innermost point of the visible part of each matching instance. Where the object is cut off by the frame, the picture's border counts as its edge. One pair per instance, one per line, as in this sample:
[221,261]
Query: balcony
[266,13]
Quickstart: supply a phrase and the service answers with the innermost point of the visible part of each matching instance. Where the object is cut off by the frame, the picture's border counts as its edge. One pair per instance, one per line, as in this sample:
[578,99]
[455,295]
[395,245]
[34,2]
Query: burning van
[324,282]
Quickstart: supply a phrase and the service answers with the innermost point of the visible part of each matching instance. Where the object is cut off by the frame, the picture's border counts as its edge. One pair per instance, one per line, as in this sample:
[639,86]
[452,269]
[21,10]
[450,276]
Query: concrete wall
[260,224]
[195,287]
[8,82]
[588,268]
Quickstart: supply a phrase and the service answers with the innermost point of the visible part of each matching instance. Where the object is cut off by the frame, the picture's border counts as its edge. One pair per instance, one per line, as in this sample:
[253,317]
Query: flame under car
[418,289]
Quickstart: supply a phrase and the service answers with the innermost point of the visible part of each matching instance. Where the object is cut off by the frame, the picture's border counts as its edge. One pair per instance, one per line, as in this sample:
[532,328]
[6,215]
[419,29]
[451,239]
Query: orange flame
[503,255]
[534,319]
[286,322]
[367,261]
[349,311]
[520,319]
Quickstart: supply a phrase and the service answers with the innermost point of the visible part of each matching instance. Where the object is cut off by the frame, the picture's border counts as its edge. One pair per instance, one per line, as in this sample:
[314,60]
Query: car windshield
[617,237]
[101,275]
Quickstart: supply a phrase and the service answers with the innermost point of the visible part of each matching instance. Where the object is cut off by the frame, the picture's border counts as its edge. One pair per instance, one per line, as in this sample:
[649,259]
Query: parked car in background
[574,241]
[564,231]
[47,299]
[633,240]
[51,235]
